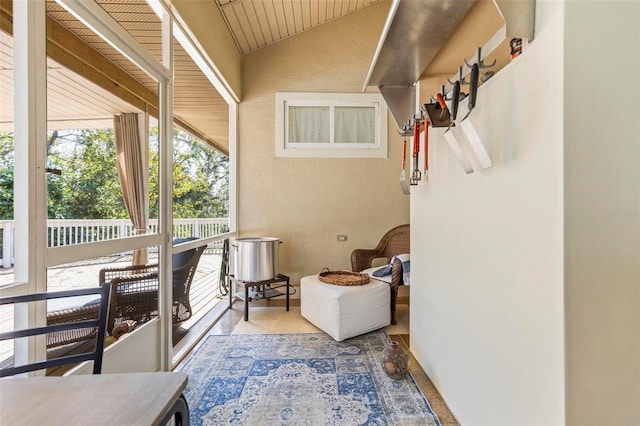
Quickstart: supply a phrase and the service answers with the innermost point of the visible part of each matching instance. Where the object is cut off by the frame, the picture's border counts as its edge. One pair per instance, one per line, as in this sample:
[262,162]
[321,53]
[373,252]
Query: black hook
[479,61]
[461,79]
[444,93]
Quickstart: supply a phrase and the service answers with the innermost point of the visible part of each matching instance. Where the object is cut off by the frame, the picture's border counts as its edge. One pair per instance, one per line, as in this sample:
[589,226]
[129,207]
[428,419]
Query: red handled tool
[426,149]
[403,178]
[416,176]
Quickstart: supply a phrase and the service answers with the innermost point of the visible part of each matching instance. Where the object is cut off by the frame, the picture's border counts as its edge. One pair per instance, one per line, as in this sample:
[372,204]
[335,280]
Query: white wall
[602,212]
[487,287]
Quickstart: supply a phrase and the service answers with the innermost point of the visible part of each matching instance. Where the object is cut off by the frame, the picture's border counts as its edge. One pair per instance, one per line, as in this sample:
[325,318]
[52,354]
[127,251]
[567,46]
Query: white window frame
[32,256]
[378,149]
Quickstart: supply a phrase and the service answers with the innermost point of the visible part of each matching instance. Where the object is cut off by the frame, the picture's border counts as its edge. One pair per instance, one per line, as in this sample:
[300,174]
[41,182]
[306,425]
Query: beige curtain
[132,151]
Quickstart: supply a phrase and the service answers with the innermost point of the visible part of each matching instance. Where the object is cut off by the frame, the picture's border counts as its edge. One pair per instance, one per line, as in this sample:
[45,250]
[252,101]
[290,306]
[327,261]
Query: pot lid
[258,239]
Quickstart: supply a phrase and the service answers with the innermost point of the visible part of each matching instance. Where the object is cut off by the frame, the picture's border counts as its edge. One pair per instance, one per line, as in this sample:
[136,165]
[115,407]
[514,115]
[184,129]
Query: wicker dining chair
[395,241]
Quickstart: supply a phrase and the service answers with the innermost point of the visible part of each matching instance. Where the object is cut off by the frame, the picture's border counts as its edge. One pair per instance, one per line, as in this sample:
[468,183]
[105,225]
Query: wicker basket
[344,278]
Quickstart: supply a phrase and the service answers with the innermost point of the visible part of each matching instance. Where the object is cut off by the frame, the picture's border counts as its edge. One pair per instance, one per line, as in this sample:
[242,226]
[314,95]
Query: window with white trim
[338,125]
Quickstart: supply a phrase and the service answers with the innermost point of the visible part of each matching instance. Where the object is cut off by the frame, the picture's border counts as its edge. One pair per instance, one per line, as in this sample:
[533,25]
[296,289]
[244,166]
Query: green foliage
[6,176]
[89,185]
[201,179]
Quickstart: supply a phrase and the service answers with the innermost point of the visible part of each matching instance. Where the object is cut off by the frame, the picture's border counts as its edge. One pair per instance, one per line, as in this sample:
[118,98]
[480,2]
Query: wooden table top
[90,399]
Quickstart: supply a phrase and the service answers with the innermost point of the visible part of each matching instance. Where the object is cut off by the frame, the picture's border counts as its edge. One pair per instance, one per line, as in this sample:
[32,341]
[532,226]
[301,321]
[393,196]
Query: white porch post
[30,209]
[233,166]
[165,127]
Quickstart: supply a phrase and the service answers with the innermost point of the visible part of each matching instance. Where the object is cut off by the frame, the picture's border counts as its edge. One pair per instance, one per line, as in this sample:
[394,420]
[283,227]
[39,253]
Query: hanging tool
[438,112]
[469,130]
[426,150]
[448,134]
[403,178]
[455,100]
[416,175]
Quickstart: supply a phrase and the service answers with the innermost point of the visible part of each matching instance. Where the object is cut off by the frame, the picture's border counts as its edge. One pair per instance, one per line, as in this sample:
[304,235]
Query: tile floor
[276,320]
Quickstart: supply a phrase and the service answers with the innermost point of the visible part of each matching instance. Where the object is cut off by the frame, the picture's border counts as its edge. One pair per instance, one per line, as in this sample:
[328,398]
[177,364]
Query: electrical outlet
[342,238]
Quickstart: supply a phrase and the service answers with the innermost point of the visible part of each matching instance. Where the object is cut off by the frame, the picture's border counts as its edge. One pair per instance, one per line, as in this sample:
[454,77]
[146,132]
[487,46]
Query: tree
[88,186]
[6,176]
[200,178]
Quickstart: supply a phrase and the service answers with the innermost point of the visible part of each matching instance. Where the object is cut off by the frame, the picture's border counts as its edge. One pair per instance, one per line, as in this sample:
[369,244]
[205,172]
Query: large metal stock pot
[256,258]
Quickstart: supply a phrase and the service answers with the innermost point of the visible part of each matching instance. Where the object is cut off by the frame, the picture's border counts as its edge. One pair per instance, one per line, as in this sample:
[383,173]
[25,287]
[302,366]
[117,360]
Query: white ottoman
[345,311]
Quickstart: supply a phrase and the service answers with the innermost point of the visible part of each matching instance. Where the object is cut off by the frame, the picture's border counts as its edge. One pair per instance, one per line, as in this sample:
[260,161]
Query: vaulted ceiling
[89,81]
[256,24]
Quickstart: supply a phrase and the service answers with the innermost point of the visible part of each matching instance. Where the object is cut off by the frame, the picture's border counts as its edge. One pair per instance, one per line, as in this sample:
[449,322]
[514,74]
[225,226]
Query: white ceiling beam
[93,16]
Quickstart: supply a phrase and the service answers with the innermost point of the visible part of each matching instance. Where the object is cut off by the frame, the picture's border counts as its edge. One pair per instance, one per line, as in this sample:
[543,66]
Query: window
[339,125]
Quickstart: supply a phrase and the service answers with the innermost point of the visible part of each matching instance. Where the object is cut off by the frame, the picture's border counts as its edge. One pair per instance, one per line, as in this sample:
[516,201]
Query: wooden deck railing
[63,232]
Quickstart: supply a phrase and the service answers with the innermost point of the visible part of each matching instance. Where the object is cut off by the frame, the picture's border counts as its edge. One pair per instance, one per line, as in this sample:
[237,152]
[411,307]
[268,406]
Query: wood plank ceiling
[197,105]
[110,83]
[258,23]
[75,101]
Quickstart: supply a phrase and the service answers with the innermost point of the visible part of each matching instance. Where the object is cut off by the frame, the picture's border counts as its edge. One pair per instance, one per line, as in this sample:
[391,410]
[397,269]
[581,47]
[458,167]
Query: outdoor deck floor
[204,293]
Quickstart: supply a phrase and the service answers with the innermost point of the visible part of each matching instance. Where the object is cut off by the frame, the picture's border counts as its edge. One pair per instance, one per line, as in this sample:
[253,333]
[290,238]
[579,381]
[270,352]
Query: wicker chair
[395,241]
[134,289]
[134,297]
[77,314]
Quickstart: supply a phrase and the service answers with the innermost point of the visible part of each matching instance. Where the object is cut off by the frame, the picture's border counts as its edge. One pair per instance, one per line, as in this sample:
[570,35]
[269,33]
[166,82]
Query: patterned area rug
[299,379]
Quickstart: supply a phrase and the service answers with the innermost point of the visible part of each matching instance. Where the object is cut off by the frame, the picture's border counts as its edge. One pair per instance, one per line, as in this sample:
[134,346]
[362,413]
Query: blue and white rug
[299,379]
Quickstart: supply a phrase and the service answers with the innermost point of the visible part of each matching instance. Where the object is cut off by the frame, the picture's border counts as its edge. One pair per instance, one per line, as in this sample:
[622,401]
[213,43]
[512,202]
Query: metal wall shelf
[414,33]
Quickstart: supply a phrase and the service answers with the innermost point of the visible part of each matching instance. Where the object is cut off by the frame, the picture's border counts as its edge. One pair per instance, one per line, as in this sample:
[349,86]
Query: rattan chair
[396,241]
[75,314]
[134,298]
[134,289]
[89,311]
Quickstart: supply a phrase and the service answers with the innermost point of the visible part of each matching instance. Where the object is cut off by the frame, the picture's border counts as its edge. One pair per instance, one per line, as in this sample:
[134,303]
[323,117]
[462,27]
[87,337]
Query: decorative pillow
[385,270]
[385,278]
[384,273]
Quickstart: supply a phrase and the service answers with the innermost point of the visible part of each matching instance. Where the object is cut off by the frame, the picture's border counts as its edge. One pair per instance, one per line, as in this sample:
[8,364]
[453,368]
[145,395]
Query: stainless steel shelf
[413,34]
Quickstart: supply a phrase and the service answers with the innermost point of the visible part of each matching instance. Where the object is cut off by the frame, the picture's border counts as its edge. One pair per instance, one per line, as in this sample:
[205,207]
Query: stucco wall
[487,249]
[307,202]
